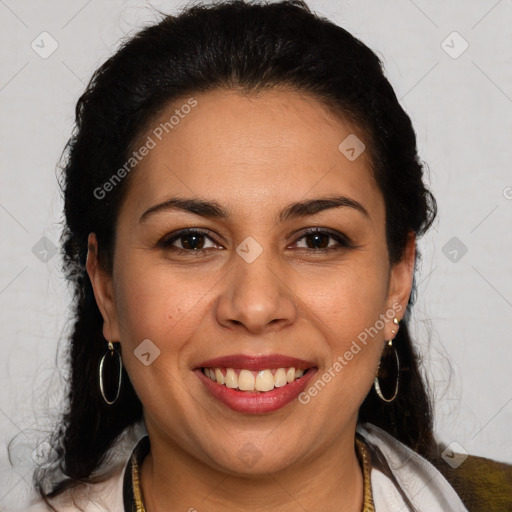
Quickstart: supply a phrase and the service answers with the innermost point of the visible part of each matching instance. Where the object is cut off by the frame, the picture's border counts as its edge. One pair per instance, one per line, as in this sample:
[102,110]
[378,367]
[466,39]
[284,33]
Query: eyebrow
[212,209]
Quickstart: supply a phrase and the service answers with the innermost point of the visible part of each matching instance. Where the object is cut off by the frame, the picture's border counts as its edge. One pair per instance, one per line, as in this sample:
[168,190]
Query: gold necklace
[362,454]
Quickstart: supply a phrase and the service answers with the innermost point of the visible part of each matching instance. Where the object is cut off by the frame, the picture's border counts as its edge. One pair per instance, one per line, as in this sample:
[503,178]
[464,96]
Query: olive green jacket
[484,485]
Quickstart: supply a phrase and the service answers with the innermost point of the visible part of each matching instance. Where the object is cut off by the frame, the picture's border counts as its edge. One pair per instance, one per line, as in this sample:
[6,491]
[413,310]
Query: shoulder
[103,496]
[475,484]
[482,484]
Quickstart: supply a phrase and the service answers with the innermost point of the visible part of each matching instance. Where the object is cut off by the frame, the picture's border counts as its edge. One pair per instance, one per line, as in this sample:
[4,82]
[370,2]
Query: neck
[171,479]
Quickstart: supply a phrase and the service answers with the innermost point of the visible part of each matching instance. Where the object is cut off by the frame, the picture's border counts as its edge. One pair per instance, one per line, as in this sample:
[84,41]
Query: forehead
[251,152]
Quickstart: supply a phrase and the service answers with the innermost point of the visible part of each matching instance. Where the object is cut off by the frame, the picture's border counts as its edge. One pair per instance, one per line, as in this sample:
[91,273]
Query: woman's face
[253,282]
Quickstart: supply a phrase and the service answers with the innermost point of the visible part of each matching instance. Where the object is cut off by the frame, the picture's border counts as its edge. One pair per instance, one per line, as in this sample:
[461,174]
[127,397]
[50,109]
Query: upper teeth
[247,380]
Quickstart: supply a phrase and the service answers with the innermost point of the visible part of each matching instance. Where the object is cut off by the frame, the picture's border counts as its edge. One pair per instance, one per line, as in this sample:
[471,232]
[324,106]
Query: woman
[243,197]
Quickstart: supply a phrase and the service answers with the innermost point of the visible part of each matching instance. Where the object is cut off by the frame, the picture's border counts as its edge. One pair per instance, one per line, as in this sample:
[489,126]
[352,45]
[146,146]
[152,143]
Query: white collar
[422,483]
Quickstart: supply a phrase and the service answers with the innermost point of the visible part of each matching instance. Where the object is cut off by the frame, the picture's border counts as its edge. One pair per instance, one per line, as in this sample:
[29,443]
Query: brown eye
[319,241]
[192,241]
[189,240]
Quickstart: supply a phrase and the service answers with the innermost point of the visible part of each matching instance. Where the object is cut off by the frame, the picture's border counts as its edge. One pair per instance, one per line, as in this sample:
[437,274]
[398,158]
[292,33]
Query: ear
[103,291]
[400,283]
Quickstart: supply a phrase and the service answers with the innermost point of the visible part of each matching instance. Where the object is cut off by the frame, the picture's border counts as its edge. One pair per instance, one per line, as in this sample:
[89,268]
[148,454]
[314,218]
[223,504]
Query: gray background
[461,107]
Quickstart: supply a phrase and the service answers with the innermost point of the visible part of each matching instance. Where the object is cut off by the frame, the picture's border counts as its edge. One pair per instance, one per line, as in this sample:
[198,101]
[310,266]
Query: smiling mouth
[263,381]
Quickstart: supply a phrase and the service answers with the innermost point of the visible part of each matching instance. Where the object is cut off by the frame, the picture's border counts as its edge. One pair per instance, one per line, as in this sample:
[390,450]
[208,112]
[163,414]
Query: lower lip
[256,403]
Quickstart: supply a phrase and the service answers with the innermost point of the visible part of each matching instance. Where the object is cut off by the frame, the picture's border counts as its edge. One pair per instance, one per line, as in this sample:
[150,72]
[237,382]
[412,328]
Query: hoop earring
[386,353]
[108,384]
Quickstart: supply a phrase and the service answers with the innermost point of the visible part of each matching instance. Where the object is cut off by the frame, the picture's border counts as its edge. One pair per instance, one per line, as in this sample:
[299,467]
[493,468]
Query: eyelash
[342,240]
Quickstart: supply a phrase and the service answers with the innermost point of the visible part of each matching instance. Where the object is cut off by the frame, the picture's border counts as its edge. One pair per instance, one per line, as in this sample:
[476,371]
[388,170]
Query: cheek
[167,309]
[346,301]
[153,305]
[157,316]
[348,308]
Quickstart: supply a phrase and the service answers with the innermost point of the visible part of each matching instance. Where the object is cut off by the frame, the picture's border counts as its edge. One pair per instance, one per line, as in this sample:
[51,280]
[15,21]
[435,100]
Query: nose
[257,295]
